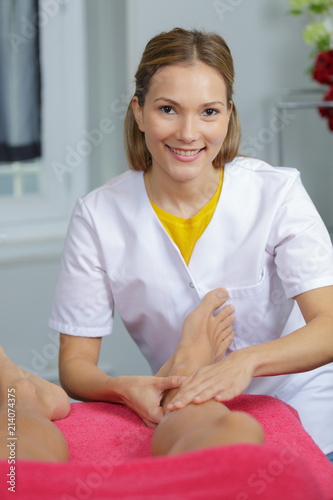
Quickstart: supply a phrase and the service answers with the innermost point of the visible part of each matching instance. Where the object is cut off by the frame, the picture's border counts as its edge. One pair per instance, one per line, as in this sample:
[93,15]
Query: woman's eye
[167,110]
[210,112]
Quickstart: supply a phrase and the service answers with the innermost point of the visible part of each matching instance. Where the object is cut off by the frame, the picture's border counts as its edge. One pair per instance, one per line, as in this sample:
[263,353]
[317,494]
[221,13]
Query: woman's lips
[185,154]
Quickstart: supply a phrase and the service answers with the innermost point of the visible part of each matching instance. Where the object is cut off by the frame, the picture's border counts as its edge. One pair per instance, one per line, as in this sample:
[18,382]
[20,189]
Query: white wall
[269,55]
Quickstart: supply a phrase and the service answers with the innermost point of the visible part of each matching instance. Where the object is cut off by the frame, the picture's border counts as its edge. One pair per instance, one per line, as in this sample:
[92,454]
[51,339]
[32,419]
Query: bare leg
[211,423]
[205,425]
[34,402]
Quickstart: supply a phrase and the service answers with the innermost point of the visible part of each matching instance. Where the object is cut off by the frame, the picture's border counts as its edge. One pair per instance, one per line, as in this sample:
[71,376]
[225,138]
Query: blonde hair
[180,46]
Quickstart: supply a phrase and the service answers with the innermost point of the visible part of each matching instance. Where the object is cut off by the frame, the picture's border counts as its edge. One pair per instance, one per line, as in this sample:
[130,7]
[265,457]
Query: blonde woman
[189,217]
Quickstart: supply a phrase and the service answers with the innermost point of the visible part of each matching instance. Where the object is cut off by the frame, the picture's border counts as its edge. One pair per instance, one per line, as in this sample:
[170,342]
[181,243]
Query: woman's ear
[231,105]
[138,113]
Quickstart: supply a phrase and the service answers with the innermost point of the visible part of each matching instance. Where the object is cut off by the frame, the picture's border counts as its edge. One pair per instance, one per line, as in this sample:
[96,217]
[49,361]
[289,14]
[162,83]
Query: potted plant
[318,33]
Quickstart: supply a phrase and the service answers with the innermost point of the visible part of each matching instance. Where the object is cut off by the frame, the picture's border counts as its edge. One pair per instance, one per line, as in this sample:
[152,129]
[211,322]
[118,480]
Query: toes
[215,299]
[223,346]
[224,328]
[226,337]
[225,312]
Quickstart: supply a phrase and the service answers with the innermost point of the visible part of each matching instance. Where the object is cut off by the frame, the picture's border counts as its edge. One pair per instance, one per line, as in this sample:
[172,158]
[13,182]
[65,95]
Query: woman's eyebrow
[175,103]
[171,101]
[214,103]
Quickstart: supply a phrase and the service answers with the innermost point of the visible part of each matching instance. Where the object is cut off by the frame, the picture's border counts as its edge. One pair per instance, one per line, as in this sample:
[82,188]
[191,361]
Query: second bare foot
[32,391]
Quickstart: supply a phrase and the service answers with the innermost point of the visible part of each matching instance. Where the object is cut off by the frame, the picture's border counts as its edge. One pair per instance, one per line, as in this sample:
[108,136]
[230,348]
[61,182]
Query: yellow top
[186,232]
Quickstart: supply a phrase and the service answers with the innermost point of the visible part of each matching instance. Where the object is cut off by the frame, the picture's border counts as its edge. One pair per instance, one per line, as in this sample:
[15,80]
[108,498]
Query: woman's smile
[185,155]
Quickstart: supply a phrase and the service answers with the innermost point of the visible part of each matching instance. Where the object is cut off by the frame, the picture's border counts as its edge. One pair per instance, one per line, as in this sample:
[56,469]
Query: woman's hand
[222,381]
[143,395]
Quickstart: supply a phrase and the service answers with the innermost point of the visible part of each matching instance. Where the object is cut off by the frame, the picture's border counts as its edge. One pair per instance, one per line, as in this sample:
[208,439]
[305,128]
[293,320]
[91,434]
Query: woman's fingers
[172,382]
[191,388]
[222,381]
[144,393]
[198,394]
[226,395]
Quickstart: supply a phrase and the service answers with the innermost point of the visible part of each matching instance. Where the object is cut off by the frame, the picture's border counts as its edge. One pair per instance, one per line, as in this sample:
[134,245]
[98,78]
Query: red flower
[328,112]
[323,69]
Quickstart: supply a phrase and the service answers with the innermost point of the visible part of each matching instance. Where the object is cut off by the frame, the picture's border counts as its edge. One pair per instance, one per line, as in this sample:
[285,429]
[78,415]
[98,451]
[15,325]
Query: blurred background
[88,52]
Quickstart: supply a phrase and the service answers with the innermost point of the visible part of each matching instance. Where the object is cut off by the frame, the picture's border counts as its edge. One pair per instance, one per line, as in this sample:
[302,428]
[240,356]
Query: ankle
[180,367]
[191,356]
[25,393]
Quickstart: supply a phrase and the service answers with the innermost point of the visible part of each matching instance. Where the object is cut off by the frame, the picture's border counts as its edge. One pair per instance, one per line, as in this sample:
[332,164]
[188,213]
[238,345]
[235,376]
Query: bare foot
[32,391]
[205,339]
[205,335]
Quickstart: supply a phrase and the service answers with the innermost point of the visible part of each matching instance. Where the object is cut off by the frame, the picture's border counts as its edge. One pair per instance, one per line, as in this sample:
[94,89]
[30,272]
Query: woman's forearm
[83,380]
[305,349]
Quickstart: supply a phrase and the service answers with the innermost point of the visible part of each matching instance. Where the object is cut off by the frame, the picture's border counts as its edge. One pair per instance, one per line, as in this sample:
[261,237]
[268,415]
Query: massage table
[110,458]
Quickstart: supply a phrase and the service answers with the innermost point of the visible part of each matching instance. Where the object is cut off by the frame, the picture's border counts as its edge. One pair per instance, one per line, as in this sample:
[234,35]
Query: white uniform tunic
[265,243]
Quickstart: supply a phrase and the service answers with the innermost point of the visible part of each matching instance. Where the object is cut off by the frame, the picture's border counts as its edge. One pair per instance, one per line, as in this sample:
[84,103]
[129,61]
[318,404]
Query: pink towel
[110,458]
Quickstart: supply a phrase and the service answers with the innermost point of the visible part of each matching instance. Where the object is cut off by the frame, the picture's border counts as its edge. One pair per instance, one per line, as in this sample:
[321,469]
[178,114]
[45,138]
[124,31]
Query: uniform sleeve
[82,303]
[300,243]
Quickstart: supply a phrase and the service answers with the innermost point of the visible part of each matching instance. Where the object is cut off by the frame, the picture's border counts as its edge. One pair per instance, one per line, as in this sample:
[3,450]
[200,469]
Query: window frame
[34,226]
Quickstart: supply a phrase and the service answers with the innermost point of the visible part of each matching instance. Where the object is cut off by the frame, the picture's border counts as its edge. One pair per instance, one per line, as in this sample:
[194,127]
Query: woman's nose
[188,130]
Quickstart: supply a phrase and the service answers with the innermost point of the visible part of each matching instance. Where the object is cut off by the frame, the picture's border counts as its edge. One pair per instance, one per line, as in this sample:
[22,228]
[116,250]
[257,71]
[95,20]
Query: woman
[192,216]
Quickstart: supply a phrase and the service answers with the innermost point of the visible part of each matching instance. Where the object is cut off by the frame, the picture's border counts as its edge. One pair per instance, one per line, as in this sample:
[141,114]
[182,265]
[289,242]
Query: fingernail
[222,295]
[177,403]
[182,379]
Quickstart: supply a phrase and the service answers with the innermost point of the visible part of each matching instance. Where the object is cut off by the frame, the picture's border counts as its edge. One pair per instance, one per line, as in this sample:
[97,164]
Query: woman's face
[184,118]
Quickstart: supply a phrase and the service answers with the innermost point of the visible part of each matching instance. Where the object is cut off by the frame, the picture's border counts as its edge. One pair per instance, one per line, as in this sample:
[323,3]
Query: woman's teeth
[181,152]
